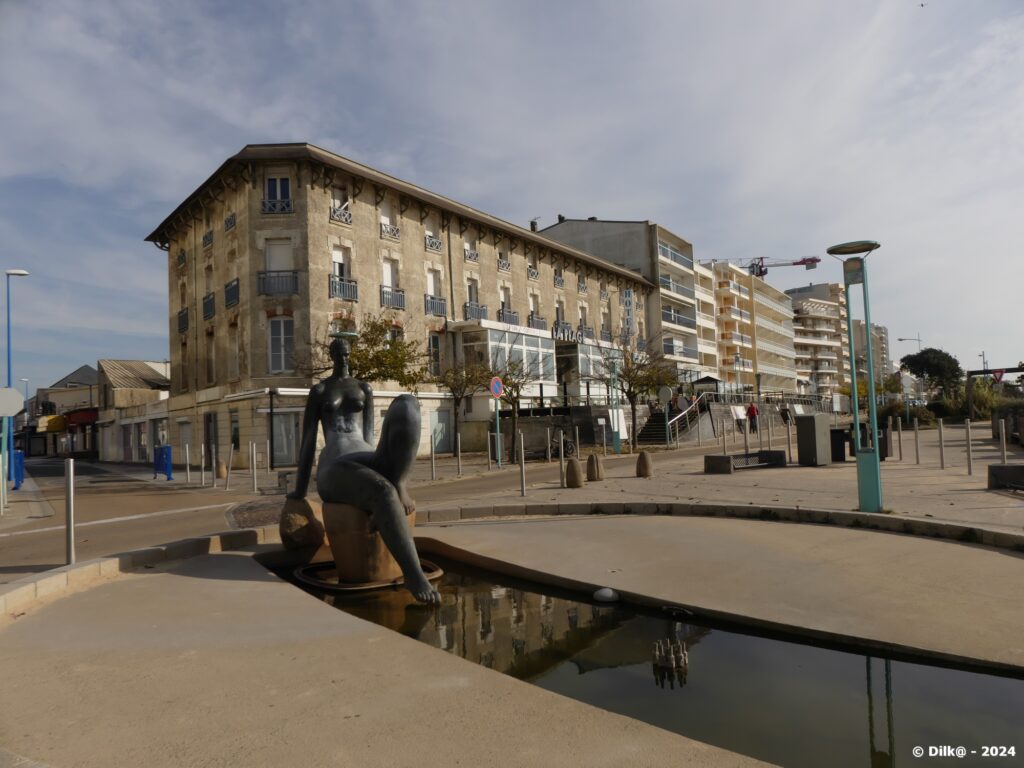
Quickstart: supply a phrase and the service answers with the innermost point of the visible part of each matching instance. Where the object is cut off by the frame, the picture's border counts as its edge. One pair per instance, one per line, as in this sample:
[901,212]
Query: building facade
[133,398]
[818,345]
[879,350]
[286,243]
[833,293]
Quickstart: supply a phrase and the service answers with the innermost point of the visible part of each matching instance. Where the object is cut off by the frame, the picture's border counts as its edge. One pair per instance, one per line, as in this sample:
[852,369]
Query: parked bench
[726,464]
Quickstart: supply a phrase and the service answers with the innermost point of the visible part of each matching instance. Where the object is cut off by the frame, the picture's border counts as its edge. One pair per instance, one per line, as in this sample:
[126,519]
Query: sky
[750,128]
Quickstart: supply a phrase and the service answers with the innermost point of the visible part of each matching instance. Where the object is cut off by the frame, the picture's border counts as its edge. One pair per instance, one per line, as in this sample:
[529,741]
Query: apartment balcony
[705,293]
[743,364]
[674,256]
[473,256]
[604,296]
[341,214]
[678,318]
[736,339]
[390,231]
[343,288]
[778,306]
[473,311]
[277,206]
[231,293]
[559,281]
[562,327]
[587,331]
[581,287]
[537,322]
[183,321]
[229,222]
[706,319]
[734,313]
[532,273]
[673,347]
[734,287]
[509,316]
[668,284]
[277,283]
[777,349]
[771,325]
[208,239]
[606,334]
[392,298]
[432,243]
[504,265]
[435,305]
[209,305]
[182,257]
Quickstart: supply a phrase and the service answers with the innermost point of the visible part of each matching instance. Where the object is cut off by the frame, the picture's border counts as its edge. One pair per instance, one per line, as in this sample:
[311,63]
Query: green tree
[940,369]
[893,383]
[461,382]
[378,353]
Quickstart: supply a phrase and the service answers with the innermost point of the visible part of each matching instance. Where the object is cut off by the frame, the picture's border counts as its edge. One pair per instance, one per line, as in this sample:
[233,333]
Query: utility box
[813,441]
[839,437]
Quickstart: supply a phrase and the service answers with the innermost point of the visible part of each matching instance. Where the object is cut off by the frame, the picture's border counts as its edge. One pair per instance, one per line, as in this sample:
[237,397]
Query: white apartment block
[755,332]
[818,342]
[879,350]
[681,317]
[834,293]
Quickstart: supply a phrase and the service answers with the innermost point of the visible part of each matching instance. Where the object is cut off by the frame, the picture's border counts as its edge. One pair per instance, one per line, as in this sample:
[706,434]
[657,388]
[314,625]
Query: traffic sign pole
[496,389]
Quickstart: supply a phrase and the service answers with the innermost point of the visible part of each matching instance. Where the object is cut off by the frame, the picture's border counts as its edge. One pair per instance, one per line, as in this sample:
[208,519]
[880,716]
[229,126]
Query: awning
[51,424]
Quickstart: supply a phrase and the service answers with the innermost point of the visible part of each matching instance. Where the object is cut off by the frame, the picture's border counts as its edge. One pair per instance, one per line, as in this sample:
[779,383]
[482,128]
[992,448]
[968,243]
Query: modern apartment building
[755,332]
[879,349]
[833,293]
[681,317]
[285,242]
[818,345]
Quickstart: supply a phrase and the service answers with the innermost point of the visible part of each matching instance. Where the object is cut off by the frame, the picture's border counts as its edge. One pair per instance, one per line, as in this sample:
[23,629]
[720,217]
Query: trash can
[839,438]
[883,441]
[812,440]
[18,468]
[162,461]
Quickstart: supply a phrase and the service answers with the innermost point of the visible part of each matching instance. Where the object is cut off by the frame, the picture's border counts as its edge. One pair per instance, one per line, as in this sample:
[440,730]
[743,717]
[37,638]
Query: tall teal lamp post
[8,445]
[869,468]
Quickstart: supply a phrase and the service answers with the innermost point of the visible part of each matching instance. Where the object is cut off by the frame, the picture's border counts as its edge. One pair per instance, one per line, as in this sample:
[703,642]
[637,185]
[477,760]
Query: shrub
[899,410]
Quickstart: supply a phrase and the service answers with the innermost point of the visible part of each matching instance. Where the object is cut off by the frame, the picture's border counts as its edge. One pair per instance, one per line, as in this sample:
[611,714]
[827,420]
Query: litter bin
[18,468]
[162,461]
[884,441]
[812,439]
[839,438]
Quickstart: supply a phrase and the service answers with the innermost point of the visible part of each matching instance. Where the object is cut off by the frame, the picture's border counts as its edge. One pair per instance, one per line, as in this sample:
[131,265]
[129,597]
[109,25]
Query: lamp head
[853,248]
[17,273]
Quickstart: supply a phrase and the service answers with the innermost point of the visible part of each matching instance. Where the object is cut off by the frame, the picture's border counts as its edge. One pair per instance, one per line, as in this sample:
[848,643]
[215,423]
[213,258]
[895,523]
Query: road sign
[496,387]
[665,395]
[853,271]
[998,374]
[11,401]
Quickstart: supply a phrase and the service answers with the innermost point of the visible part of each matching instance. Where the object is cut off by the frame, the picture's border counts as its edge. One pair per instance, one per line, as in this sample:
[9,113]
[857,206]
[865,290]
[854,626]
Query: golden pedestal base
[360,554]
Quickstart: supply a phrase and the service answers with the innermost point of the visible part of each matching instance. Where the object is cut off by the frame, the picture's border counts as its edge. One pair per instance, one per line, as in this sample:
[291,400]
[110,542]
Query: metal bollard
[1002,440]
[213,467]
[252,465]
[942,448]
[269,462]
[725,448]
[561,456]
[188,466]
[789,444]
[899,434]
[202,465]
[547,444]
[458,454]
[604,441]
[69,510]
[488,452]
[769,431]
[227,477]
[746,442]
[579,448]
[522,467]
[970,451]
[917,442]
[698,429]
[433,462]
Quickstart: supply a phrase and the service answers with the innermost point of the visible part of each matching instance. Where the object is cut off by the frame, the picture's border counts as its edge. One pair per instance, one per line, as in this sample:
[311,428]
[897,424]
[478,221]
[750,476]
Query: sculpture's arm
[307,448]
[368,414]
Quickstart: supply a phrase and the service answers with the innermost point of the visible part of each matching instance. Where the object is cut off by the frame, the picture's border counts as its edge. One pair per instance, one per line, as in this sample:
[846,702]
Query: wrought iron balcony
[537,322]
[508,316]
[231,293]
[562,327]
[392,297]
[277,206]
[587,330]
[532,273]
[229,222]
[604,294]
[581,286]
[504,265]
[208,239]
[432,243]
[559,281]
[390,231]
[435,305]
[606,334]
[277,283]
[474,311]
[470,255]
[343,288]
[183,320]
[209,305]
[182,256]
[341,215]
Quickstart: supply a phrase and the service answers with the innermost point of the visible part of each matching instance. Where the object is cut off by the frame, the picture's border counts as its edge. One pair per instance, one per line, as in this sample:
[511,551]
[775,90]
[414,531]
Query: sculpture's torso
[342,407]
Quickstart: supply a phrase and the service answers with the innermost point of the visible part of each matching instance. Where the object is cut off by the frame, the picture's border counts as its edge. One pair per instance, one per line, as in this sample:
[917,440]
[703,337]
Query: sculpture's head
[339,352]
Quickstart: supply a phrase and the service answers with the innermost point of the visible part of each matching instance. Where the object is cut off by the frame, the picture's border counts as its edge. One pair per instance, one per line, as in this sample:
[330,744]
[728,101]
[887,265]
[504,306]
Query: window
[282,345]
[233,351]
[235,437]
[583,315]
[434,282]
[279,188]
[279,255]
[506,297]
[340,262]
[558,272]
[339,199]
[531,260]
[431,226]
[208,280]
[182,301]
[386,212]
[434,354]
[560,311]
[389,276]
[534,304]
[473,290]
[211,362]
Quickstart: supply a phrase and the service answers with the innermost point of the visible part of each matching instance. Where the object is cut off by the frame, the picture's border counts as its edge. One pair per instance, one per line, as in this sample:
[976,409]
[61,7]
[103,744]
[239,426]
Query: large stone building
[682,318]
[285,242]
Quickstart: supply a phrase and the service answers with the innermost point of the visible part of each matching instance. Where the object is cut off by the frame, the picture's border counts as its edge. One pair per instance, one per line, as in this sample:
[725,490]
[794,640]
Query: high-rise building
[834,294]
[879,349]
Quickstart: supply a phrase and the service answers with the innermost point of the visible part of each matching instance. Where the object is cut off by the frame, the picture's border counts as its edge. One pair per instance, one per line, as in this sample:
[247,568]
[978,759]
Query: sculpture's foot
[422,589]
[407,502]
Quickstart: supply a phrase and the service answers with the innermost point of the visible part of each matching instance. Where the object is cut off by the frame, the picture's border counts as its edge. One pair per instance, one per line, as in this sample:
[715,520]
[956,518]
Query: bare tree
[462,381]
[516,375]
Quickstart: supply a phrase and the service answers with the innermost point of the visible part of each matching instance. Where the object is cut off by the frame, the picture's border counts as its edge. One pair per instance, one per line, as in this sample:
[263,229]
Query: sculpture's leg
[368,489]
[398,444]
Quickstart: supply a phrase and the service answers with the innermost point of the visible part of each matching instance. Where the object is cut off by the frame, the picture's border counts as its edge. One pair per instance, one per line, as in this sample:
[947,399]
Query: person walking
[752,414]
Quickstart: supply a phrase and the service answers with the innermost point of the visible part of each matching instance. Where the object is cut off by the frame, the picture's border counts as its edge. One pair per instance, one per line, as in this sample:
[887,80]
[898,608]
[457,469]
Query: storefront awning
[51,424]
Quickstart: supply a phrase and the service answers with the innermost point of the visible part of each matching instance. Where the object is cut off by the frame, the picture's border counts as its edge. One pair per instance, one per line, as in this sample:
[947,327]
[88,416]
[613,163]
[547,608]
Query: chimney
[561,218]
[592,218]
[533,225]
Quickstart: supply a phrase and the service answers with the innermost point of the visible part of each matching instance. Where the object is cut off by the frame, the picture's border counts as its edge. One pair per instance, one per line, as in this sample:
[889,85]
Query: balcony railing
[735,313]
[471,255]
[673,347]
[342,215]
[671,285]
[390,231]
[604,294]
[208,239]
[562,327]
[587,330]
[432,243]
[209,306]
[277,283]
[504,265]
[343,288]
[730,362]
[182,256]
[473,311]
[778,306]
[392,297]
[581,287]
[735,287]
[678,318]
[606,334]
[532,273]
[183,321]
[537,322]
[731,337]
[435,305]
[231,293]
[777,349]
[559,281]
[509,316]
[277,206]
[670,253]
[229,222]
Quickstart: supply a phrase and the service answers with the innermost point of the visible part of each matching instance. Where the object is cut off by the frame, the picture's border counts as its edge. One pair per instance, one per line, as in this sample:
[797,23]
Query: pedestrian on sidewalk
[784,414]
[752,414]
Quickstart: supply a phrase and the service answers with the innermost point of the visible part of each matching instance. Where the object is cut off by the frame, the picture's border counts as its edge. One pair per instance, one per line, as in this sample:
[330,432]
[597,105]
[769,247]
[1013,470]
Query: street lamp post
[8,443]
[869,469]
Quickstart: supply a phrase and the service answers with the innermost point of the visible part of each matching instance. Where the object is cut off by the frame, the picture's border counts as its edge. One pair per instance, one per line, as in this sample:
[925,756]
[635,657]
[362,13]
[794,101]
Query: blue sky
[750,128]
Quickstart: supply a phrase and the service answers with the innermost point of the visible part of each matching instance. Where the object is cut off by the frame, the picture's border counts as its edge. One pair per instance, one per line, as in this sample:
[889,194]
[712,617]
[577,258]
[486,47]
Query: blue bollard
[167,462]
[18,469]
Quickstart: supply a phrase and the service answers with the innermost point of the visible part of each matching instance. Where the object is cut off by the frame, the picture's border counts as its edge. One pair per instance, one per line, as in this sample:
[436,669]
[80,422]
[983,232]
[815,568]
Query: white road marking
[109,520]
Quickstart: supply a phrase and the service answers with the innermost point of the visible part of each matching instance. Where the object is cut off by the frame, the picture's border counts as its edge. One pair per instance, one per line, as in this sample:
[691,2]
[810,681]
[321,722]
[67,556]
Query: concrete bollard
[917,442]
[595,468]
[561,456]
[458,454]
[547,444]
[522,466]
[69,510]
[227,471]
[1002,440]
[574,473]
[725,448]
[942,448]
[899,434]
[188,467]
[644,465]
[970,449]
[789,444]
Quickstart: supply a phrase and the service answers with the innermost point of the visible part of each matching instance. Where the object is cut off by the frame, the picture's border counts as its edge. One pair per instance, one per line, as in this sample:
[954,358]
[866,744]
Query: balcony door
[389,277]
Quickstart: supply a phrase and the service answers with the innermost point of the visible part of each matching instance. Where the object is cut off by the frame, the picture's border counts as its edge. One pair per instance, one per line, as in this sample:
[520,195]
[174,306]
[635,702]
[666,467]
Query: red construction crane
[759,267]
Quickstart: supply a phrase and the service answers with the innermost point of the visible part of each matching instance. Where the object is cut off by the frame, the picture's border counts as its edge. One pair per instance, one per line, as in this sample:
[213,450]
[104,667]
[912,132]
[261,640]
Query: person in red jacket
[752,413]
